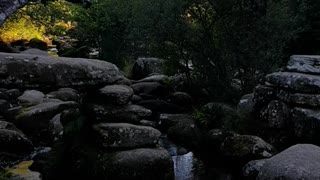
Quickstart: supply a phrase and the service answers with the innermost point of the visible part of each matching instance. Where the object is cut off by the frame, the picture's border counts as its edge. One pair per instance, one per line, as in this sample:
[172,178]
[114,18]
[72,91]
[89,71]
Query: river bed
[189,167]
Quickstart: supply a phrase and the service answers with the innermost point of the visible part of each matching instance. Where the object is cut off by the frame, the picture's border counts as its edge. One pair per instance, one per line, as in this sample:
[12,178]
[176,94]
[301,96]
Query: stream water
[188,167]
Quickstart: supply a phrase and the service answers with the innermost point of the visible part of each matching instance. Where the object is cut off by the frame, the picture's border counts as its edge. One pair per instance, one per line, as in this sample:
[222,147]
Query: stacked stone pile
[38,95]
[117,128]
[287,104]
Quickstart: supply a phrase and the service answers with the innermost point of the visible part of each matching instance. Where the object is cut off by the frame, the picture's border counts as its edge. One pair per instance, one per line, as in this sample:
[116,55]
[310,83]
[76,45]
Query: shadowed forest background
[182,89]
[224,47]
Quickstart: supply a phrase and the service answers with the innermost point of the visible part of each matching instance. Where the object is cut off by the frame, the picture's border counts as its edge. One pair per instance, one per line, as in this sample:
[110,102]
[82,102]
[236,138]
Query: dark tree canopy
[9,7]
[222,46]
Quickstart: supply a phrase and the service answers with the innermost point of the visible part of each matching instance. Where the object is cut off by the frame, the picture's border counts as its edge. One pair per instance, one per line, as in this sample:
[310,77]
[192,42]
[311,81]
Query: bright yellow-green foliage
[52,54]
[37,20]
[23,28]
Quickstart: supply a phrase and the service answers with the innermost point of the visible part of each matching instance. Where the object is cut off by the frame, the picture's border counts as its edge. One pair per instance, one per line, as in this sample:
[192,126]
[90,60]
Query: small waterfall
[189,167]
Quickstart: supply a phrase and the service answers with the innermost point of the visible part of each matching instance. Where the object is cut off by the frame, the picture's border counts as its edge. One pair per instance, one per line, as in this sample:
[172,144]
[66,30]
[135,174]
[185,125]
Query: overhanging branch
[9,7]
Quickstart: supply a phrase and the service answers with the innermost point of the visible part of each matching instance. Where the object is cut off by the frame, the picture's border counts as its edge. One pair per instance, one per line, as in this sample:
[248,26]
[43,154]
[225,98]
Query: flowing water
[188,167]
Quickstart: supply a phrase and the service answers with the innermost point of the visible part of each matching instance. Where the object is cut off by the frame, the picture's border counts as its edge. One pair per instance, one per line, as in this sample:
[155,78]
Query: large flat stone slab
[41,72]
[298,82]
[299,98]
[304,64]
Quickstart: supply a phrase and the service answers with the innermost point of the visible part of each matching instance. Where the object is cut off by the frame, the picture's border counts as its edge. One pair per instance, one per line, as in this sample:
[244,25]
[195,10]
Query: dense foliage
[230,44]
[224,47]
[127,29]
[4,175]
[39,20]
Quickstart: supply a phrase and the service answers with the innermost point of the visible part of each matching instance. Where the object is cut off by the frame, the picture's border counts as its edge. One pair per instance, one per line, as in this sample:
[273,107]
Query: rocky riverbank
[102,125]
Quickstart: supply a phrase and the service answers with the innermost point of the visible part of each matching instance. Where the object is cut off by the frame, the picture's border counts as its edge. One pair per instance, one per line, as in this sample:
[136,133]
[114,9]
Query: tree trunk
[8,7]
